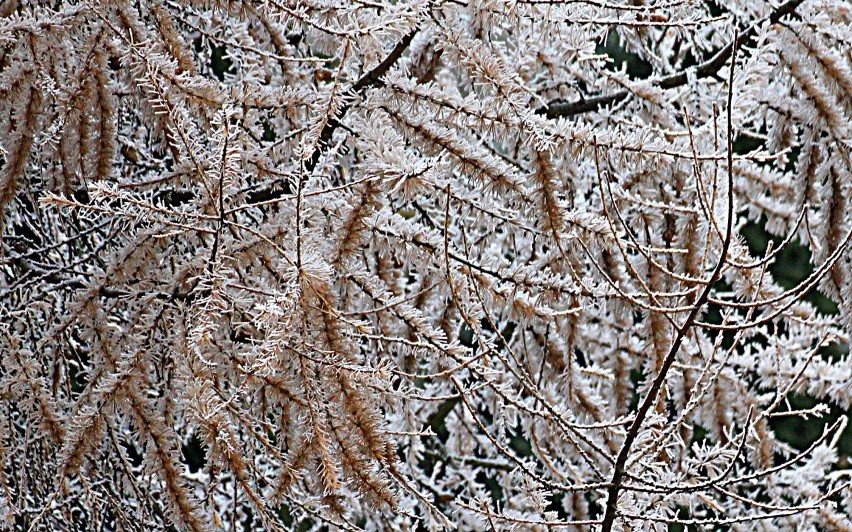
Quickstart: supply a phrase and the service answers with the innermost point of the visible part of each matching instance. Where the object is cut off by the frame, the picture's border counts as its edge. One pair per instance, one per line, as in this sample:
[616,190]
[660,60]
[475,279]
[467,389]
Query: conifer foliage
[422,264]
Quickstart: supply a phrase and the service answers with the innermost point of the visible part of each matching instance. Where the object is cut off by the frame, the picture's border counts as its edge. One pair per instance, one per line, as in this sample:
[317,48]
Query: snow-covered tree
[422,264]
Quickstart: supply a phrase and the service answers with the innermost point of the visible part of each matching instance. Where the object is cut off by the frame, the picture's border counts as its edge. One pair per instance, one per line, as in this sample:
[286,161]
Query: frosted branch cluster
[423,264]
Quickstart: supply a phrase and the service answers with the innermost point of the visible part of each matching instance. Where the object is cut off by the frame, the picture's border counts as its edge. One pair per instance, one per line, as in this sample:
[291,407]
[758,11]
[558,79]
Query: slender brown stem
[650,399]
[373,78]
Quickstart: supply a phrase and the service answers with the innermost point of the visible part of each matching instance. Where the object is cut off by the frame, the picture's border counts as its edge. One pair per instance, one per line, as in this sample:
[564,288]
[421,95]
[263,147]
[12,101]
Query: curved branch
[618,473]
[704,70]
